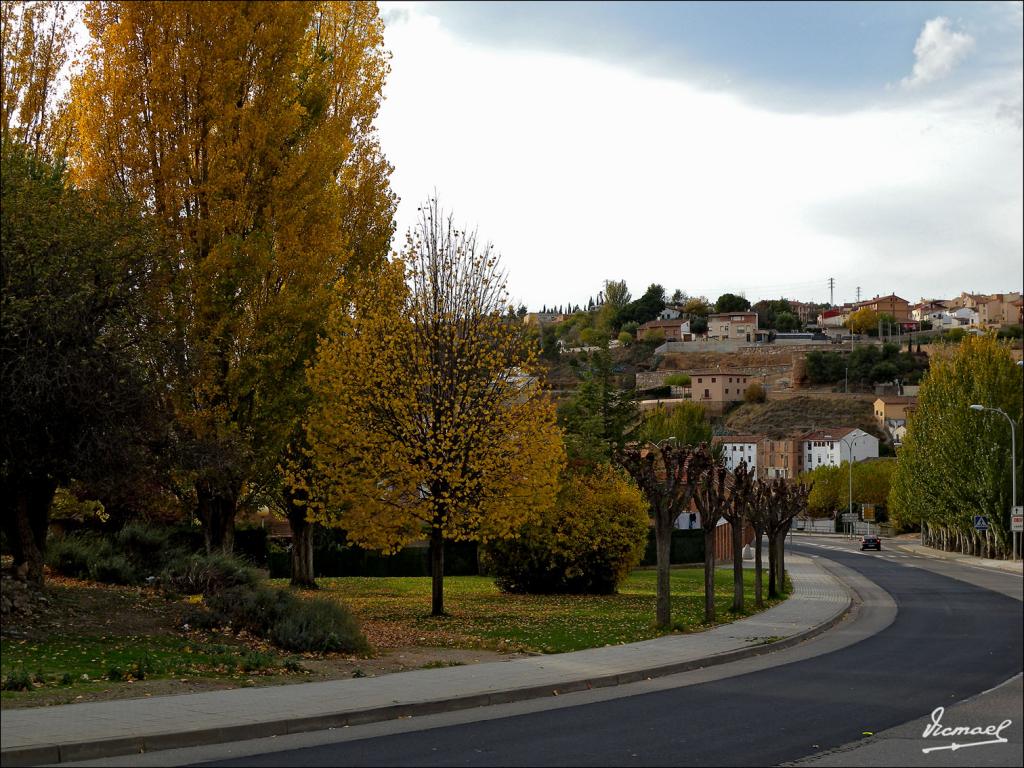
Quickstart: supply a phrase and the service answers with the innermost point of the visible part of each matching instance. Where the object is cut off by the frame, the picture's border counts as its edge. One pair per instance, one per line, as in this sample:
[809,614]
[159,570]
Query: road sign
[850,517]
[980,523]
[1017,522]
[869,512]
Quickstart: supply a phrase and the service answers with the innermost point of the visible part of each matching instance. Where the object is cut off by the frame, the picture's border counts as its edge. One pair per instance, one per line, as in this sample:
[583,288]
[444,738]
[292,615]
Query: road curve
[950,640]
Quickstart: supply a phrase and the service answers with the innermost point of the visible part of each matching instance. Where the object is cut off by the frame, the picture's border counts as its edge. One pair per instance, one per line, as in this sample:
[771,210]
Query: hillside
[777,418]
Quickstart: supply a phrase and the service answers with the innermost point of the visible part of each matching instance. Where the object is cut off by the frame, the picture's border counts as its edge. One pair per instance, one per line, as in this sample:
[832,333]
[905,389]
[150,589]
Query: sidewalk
[914,547]
[105,729]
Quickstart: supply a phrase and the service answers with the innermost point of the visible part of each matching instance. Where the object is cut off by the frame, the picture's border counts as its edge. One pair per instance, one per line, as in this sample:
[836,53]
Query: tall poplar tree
[246,127]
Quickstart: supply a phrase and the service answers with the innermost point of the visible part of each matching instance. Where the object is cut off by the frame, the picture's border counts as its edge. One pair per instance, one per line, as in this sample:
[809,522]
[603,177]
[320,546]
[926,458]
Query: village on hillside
[787,386]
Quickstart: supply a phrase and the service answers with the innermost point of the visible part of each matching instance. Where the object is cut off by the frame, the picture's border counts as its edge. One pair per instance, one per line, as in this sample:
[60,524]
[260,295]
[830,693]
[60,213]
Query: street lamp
[850,462]
[1013,460]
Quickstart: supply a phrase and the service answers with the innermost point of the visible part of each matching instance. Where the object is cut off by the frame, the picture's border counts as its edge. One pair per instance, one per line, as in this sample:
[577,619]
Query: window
[713,379]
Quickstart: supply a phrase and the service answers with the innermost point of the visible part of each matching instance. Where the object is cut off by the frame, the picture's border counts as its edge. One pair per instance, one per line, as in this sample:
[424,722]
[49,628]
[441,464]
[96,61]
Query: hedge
[460,559]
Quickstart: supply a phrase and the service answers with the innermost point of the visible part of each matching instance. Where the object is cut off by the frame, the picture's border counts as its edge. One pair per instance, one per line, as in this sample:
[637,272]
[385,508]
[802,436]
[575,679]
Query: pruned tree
[668,475]
[428,416]
[740,510]
[787,500]
[757,513]
[712,498]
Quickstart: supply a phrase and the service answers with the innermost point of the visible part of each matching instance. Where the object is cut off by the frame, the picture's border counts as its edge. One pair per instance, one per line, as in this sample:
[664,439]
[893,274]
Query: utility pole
[858,294]
[831,292]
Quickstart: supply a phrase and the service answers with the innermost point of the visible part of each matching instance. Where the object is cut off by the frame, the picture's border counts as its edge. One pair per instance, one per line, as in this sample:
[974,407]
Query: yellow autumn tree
[246,130]
[35,36]
[429,418]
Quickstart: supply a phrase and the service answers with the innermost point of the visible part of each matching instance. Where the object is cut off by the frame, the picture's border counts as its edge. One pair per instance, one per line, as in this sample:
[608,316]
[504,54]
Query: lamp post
[1013,460]
[850,462]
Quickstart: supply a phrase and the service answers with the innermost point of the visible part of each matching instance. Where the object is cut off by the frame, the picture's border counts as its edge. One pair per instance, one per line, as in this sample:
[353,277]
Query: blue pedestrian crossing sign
[980,523]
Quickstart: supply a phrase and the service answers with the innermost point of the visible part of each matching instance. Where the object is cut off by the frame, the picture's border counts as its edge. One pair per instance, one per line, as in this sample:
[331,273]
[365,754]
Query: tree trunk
[436,572]
[737,566]
[302,549]
[758,596]
[663,547]
[781,561]
[27,524]
[773,591]
[217,514]
[709,575]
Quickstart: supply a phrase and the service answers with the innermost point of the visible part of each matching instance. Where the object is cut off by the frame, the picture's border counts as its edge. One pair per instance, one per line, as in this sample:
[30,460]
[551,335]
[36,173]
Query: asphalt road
[950,640]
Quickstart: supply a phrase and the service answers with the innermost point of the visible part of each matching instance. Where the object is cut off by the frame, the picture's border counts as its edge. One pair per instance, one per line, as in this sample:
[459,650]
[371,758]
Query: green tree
[730,302]
[616,298]
[429,418]
[785,322]
[683,422]
[78,395]
[769,309]
[955,462]
[827,490]
[647,307]
[599,416]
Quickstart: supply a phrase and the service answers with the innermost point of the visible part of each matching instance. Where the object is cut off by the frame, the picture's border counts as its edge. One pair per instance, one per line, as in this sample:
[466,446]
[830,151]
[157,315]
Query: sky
[753,148]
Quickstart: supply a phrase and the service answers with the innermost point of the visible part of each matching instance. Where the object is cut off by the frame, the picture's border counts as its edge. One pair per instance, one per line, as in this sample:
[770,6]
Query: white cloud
[582,171]
[938,49]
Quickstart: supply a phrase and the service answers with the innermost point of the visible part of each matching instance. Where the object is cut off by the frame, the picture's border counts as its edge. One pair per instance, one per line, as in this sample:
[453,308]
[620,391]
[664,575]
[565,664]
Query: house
[892,305]
[718,386]
[831,447]
[964,316]
[739,448]
[833,318]
[672,312]
[780,458]
[928,311]
[669,330]
[999,309]
[805,311]
[891,411]
[738,326]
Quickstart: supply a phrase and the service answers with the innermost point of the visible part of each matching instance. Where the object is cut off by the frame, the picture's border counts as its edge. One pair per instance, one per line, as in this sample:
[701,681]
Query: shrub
[206,574]
[148,546]
[625,339]
[17,680]
[89,556]
[754,393]
[289,622]
[72,554]
[319,625]
[586,544]
[114,569]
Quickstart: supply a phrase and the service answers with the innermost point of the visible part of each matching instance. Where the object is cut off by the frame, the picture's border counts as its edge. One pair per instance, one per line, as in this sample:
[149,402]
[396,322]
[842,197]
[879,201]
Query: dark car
[870,542]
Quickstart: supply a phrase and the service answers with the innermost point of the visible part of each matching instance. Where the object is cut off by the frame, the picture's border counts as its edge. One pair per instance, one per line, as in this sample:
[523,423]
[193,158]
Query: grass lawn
[395,611]
[95,637]
[96,641]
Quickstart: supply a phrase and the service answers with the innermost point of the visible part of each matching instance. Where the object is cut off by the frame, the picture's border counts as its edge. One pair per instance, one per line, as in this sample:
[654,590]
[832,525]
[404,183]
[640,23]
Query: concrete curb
[952,557]
[130,745]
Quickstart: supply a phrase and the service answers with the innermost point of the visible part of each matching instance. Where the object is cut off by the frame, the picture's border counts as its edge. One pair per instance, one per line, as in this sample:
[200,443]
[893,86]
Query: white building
[738,448]
[831,447]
